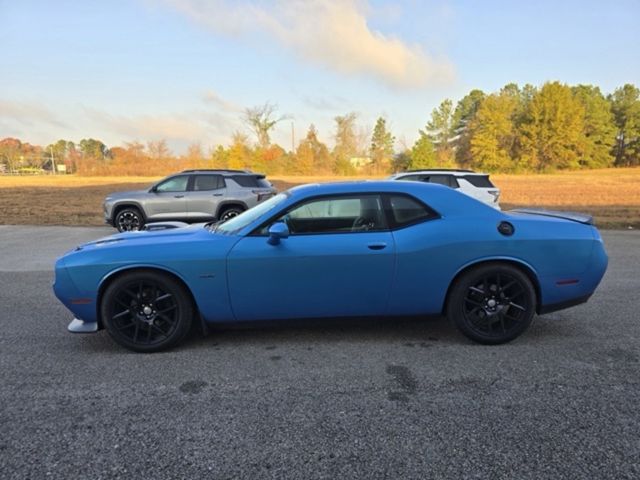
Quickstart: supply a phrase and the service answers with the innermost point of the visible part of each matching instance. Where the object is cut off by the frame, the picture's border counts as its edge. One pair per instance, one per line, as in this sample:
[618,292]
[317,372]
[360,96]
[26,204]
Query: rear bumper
[562,305]
[563,292]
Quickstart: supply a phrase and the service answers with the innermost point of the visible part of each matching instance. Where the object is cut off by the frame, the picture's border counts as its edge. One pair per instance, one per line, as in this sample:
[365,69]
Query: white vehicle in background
[476,185]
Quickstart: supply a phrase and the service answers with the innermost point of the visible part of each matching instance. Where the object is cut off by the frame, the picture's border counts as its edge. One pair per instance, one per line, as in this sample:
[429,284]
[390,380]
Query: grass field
[612,195]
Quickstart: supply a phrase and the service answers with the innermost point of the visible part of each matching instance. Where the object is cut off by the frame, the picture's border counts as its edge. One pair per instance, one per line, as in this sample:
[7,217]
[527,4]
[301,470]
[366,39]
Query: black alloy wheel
[229,213]
[493,303]
[129,220]
[146,311]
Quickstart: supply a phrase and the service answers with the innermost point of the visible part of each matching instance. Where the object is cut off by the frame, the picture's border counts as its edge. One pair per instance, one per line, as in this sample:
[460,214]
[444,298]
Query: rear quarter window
[406,210]
[480,181]
[251,181]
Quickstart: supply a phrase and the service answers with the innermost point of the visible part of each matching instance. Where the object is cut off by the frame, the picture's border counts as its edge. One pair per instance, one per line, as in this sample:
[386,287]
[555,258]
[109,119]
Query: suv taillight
[262,195]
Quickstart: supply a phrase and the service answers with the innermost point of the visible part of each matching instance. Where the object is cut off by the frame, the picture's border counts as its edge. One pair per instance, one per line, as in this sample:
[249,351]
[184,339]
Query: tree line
[516,129]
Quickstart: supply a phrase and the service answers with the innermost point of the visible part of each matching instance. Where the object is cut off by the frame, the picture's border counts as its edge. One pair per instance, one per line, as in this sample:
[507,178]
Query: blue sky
[184,70]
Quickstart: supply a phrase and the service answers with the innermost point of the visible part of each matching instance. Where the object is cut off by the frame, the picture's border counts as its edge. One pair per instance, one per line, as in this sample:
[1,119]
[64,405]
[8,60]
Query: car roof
[439,170]
[366,186]
[220,171]
[445,171]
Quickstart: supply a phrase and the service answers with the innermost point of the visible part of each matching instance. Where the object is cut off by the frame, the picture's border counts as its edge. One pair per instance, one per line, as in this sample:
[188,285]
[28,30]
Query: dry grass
[612,195]
[595,187]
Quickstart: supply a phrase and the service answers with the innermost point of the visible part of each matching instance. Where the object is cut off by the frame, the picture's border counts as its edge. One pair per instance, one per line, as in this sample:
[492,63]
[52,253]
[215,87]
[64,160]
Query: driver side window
[175,184]
[336,215]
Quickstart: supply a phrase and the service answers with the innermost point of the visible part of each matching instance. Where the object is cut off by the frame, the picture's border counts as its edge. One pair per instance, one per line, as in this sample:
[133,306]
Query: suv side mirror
[277,232]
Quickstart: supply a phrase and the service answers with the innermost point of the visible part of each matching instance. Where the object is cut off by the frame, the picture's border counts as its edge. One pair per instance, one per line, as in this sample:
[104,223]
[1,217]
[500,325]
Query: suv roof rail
[221,170]
[461,170]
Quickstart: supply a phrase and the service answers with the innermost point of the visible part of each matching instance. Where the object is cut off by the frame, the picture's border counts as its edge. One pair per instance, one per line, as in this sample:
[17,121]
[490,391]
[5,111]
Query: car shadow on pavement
[334,330]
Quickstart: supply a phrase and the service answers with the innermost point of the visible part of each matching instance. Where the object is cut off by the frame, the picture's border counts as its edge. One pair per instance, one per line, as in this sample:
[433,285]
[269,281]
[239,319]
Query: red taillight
[262,195]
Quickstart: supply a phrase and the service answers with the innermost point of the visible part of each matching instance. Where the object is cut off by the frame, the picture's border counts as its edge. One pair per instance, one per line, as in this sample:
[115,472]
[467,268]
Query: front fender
[125,203]
[208,290]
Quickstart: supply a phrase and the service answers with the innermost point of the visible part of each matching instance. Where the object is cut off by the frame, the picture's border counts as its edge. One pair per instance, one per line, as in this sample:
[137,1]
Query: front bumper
[107,210]
[82,304]
[80,326]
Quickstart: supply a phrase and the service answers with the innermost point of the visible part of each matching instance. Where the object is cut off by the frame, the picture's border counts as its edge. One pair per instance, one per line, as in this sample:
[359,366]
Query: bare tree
[261,120]
[158,149]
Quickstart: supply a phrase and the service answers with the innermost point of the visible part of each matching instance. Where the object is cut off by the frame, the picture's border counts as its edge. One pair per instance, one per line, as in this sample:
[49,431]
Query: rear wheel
[146,311]
[230,212]
[492,303]
[129,219]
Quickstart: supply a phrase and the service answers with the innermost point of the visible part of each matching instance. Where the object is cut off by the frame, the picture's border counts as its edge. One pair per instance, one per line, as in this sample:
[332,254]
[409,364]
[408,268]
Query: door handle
[217,194]
[178,196]
[377,246]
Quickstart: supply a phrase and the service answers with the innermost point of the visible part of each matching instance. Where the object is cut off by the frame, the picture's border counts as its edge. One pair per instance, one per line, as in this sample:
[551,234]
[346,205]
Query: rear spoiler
[573,216]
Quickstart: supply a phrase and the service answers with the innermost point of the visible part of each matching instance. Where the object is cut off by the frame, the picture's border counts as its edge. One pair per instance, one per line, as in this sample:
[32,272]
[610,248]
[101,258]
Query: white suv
[476,185]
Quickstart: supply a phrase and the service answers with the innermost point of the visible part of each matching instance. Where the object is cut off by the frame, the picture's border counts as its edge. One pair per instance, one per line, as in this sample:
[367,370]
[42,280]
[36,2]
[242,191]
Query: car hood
[172,235]
[127,194]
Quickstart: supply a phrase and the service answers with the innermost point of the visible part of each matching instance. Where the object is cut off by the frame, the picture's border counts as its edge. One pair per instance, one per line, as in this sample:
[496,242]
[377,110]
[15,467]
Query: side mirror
[277,232]
[153,189]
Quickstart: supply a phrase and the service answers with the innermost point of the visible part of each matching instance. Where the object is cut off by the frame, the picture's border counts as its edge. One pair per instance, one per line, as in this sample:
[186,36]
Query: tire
[230,212]
[129,219]
[492,303]
[146,311]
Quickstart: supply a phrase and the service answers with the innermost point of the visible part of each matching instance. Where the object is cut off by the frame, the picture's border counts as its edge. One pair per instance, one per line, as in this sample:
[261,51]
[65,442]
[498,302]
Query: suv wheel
[129,219]
[230,212]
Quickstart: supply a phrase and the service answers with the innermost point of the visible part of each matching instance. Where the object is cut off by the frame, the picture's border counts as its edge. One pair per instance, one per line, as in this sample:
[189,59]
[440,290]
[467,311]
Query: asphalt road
[390,399]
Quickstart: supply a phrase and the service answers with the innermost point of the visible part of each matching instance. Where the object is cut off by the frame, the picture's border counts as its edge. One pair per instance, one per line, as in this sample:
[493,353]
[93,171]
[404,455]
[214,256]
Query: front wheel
[129,219]
[492,303]
[146,311]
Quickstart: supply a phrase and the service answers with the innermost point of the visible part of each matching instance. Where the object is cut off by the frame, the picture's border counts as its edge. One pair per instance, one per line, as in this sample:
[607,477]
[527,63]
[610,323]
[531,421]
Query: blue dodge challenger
[336,250]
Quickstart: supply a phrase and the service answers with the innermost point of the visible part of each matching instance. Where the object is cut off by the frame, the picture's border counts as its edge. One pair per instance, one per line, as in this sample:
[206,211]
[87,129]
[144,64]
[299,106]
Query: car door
[337,261]
[167,199]
[204,195]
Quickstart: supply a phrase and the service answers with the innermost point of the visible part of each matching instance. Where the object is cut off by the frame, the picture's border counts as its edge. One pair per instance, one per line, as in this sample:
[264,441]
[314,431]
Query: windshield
[245,218]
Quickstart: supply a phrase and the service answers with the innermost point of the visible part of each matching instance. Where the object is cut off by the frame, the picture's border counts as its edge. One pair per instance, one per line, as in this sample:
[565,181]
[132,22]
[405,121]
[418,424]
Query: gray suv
[189,196]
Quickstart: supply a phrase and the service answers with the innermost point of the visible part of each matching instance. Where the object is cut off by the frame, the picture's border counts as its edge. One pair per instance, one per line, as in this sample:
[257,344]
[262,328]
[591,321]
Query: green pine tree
[381,150]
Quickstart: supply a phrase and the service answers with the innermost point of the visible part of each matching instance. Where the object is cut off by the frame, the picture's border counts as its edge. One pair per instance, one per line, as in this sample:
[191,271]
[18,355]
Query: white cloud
[220,103]
[332,33]
[169,126]
[28,113]
[33,122]
[178,128]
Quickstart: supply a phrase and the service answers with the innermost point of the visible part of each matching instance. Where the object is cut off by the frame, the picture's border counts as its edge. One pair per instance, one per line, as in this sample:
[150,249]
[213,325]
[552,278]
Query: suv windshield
[245,218]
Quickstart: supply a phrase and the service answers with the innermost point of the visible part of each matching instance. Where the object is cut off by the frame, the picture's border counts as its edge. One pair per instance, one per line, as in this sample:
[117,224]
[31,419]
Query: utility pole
[53,160]
[293,138]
